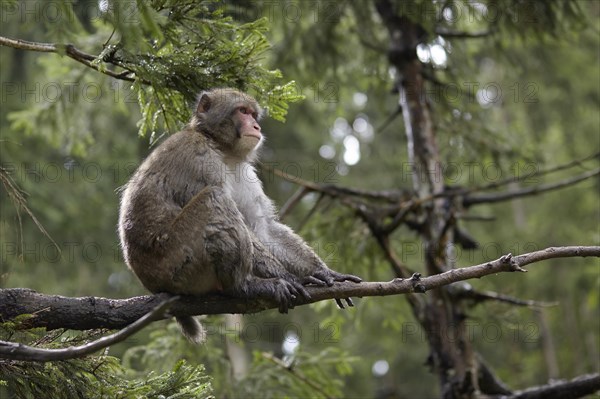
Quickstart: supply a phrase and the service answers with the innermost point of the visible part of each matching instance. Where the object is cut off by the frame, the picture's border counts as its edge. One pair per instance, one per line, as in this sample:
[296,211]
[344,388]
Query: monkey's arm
[300,259]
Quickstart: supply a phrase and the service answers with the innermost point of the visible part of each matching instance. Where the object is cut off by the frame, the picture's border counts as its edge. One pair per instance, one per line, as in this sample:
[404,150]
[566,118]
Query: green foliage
[56,118]
[185,382]
[304,375]
[100,377]
[538,53]
[171,51]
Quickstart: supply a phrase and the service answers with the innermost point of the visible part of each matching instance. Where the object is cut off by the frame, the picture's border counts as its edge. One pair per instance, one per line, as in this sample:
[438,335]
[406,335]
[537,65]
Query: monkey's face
[230,119]
[247,129]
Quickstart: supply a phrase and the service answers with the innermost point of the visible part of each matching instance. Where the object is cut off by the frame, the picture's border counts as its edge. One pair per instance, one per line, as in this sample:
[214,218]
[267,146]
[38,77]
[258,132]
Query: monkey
[194,218]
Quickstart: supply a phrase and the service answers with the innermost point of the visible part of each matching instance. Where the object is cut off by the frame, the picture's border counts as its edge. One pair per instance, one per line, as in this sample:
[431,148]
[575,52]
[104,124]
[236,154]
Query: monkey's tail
[192,329]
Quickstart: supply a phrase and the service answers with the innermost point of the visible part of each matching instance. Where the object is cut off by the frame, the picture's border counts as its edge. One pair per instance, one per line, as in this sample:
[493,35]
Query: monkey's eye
[248,111]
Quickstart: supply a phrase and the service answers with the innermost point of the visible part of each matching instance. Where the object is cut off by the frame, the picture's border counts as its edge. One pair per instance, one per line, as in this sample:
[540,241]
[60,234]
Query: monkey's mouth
[256,135]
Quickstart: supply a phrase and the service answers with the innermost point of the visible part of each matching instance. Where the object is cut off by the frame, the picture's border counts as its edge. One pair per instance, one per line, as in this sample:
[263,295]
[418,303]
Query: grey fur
[194,218]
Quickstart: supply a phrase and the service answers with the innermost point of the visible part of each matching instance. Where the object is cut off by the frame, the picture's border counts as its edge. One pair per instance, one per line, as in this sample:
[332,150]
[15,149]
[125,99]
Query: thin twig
[293,201]
[68,49]
[482,296]
[19,201]
[524,176]
[463,35]
[523,192]
[296,373]
[311,212]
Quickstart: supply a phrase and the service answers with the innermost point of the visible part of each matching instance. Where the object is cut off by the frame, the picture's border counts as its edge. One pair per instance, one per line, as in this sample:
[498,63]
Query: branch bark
[575,388]
[68,49]
[55,311]
[507,195]
[463,35]
[15,351]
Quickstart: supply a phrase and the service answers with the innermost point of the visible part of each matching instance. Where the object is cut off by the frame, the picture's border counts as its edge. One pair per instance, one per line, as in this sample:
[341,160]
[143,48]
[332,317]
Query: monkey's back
[179,168]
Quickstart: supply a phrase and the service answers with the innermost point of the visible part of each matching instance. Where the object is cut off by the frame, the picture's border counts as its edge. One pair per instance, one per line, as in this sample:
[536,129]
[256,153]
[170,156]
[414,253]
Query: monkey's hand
[280,290]
[326,276]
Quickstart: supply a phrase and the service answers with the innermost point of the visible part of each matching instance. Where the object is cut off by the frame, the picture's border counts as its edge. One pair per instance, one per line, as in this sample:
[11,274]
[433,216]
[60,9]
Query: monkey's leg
[266,265]
[223,253]
[299,259]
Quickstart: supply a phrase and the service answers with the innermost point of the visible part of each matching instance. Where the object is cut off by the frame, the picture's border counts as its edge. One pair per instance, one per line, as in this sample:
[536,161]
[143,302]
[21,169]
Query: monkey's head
[230,119]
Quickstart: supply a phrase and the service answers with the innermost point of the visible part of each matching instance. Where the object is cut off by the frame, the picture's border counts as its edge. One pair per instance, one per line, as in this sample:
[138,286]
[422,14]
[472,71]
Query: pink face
[246,122]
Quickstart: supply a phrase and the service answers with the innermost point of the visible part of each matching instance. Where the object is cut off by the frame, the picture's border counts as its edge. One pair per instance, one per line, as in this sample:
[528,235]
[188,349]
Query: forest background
[509,90]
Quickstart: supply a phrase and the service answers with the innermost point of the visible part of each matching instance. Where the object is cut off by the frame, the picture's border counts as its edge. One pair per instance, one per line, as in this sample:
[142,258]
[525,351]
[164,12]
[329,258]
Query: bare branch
[463,35]
[338,191]
[296,373]
[523,192]
[389,119]
[16,195]
[403,204]
[576,388]
[489,382]
[312,211]
[523,176]
[54,311]
[68,49]
[576,162]
[14,351]
[293,201]
[30,46]
[483,296]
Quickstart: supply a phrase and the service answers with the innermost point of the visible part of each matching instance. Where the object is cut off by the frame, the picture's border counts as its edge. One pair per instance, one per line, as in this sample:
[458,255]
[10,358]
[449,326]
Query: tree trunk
[442,318]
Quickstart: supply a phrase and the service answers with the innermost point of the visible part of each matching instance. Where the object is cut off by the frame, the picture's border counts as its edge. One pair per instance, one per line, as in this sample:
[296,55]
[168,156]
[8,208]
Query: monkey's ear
[204,103]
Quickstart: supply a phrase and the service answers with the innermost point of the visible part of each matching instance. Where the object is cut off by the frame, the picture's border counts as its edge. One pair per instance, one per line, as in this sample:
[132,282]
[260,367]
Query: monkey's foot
[328,277]
[340,303]
[281,291]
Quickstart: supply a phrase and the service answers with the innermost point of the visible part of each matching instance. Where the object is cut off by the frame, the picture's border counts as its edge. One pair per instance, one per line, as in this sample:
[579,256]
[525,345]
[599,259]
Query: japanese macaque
[194,218]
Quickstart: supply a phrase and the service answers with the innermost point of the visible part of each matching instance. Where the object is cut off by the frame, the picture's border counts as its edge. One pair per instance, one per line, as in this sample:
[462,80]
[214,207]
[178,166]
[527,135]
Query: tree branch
[54,311]
[463,35]
[575,388]
[15,351]
[68,49]
[293,201]
[521,176]
[489,382]
[296,373]
[483,296]
[15,193]
[334,191]
[523,192]
[402,200]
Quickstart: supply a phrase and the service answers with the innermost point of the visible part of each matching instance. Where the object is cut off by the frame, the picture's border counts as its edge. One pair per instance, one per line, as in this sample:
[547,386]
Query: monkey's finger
[339,303]
[313,280]
[284,303]
[283,293]
[283,306]
[349,302]
[325,277]
[299,292]
[347,277]
[296,290]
